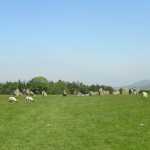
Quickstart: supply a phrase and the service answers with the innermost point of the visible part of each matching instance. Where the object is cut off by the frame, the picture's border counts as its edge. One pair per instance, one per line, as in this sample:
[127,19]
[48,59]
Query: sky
[93,41]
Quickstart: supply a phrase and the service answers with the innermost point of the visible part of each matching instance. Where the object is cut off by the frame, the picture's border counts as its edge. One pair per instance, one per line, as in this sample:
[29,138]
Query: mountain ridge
[143,84]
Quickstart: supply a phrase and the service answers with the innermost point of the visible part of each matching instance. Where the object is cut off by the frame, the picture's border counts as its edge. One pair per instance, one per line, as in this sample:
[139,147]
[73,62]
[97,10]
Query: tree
[9,87]
[38,84]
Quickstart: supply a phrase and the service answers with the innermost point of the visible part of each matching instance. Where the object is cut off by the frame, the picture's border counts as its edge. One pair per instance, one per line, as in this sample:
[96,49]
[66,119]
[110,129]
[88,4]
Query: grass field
[76,123]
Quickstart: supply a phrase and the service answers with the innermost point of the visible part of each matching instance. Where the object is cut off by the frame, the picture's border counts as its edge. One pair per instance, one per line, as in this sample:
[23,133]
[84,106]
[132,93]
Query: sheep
[144,94]
[29,99]
[12,99]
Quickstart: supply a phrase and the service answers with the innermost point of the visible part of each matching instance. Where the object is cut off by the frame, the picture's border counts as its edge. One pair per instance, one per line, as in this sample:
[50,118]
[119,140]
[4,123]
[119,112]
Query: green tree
[9,87]
[38,84]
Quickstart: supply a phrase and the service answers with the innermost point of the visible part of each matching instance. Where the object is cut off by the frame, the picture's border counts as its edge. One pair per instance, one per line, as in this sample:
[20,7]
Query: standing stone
[64,93]
[44,93]
[125,91]
[101,91]
[17,92]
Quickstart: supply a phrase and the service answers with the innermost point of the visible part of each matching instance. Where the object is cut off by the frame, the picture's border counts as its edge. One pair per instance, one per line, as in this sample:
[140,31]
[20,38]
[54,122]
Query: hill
[143,84]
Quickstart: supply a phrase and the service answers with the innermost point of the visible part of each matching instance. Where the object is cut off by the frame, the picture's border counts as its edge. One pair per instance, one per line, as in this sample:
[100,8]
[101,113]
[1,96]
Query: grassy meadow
[75,123]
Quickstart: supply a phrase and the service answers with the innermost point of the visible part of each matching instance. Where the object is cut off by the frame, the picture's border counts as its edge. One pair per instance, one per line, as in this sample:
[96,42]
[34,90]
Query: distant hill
[144,84]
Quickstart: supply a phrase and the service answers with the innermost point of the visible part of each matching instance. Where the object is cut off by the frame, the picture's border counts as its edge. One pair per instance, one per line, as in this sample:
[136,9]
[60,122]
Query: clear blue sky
[93,41]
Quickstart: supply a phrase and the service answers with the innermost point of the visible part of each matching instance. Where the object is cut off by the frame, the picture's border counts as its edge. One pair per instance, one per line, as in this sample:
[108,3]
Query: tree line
[38,84]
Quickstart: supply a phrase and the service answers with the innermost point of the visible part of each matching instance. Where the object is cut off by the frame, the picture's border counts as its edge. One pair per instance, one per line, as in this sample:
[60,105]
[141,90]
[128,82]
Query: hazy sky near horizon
[105,42]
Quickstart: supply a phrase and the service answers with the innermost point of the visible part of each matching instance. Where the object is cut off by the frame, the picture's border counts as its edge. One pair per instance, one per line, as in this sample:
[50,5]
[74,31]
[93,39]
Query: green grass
[76,123]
